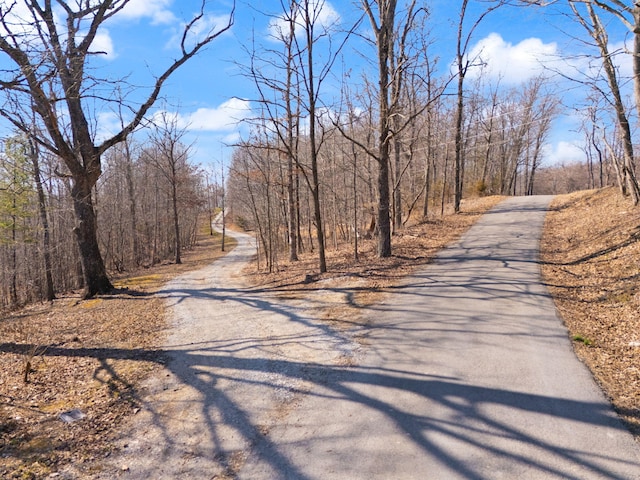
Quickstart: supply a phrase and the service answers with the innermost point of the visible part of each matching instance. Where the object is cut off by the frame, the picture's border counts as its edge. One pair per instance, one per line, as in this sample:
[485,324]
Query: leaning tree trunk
[94,273]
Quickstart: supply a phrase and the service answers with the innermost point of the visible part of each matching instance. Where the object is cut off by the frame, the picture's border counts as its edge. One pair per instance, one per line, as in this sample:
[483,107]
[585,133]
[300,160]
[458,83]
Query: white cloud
[104,44]
[623,59]
[109,124]
[564,152]
[198,31]
[223,118]
[21,22]
[157,10]
[512,63]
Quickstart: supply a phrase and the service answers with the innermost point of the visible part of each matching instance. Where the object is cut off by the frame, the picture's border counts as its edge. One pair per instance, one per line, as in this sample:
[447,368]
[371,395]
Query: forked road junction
[463,372]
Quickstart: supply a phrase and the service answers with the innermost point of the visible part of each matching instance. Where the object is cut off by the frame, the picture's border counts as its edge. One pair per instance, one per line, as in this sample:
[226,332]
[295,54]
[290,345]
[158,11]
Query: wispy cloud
[225,117]
[564,152]
[197,31]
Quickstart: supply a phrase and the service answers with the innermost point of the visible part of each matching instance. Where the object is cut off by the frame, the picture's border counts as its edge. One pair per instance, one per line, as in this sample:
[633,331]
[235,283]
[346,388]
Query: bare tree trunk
[397,202]
[427,180]
[462,65]
[384,42]
[94,273]
[458,141]
[50,293]
[176,221]
[132,204]
[293,215]
[291,147]
[13,290]
[311,80]
[354,180]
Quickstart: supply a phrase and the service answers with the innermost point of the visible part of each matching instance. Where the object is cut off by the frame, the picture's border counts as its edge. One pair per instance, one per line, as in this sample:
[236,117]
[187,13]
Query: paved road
[469,374]
[464,373]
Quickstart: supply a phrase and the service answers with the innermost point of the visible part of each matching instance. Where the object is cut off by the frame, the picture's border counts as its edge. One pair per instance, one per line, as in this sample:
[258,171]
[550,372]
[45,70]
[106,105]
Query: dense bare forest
[331,155]
[135,208]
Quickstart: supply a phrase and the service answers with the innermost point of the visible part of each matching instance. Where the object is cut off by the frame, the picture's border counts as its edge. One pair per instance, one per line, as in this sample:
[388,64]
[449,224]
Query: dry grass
[85,355]
[591,255]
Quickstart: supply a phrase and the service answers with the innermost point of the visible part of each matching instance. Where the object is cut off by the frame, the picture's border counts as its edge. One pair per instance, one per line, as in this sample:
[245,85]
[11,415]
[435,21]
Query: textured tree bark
[176,220]
[93,270]
[384,33]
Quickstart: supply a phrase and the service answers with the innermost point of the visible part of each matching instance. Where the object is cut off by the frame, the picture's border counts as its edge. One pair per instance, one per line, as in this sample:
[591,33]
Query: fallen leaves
[591,263]
[90,358]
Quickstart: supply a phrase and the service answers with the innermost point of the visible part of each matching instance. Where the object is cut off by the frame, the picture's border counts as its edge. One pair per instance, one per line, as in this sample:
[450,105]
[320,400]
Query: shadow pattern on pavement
[251,388]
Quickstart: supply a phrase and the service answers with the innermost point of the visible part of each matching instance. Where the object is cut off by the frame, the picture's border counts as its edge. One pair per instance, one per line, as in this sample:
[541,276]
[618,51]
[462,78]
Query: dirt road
[466,372]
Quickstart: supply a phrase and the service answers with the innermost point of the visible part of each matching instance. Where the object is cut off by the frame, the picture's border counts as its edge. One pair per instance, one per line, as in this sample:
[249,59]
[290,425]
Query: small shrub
[581,339]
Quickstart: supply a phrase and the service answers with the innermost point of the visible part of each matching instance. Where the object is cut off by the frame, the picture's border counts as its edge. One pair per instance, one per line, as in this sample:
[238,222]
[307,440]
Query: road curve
[464,372]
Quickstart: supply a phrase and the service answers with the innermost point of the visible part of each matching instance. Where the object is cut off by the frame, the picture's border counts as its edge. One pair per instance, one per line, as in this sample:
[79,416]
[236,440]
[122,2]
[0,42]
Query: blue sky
[208,94]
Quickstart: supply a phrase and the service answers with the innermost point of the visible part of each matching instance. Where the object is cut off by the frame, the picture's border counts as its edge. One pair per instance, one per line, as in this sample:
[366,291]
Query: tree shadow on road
[214,371]
[244,390]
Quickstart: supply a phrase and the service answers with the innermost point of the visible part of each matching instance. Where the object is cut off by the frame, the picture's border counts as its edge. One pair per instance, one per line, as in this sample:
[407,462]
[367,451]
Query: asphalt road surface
[464,372]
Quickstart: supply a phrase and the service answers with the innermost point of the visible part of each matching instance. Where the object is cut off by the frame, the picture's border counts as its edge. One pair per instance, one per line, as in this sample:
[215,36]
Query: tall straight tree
[15,198]
[383,27]
[170,156]
[47,45]
[301,27]
[284,109]
[394,59]
[463,62]
[594,26]
[34,155]
[310,15]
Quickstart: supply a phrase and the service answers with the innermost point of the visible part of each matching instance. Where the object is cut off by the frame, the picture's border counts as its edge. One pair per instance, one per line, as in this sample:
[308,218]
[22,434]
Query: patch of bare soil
[80,358]
[591,262]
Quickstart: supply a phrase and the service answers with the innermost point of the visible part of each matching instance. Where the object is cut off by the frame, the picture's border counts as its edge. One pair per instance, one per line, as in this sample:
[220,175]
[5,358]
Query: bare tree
[587,13]
[34,156]
[394,61]
[592,23]
[383,25]
[300,28]
[15,192]
[280,98]
[170,156]
[49,57]
[463,62]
